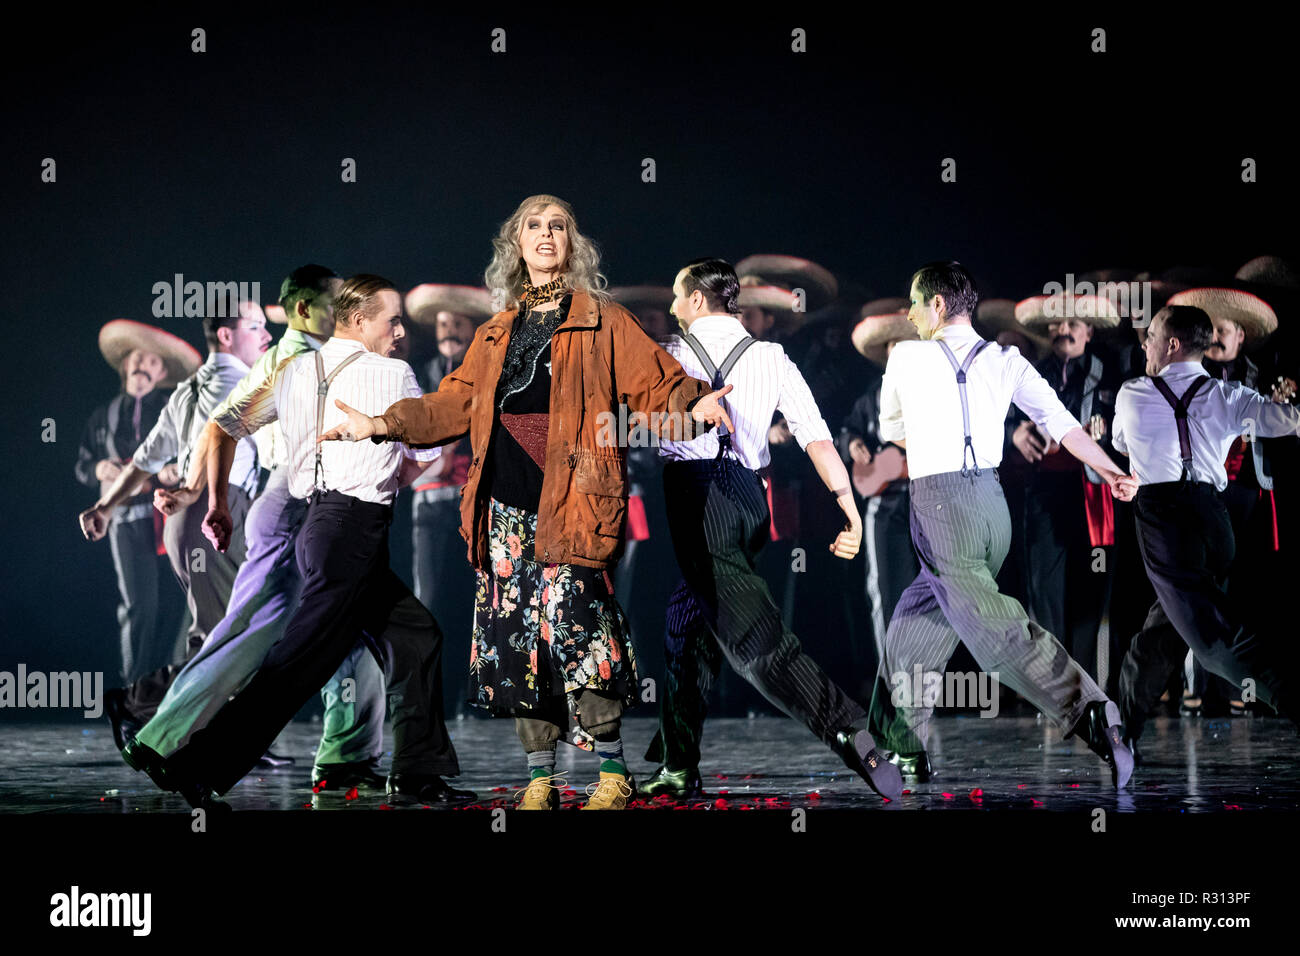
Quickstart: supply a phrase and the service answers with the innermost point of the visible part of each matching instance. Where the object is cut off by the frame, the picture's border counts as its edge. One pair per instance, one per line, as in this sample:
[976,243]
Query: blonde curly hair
[507,271]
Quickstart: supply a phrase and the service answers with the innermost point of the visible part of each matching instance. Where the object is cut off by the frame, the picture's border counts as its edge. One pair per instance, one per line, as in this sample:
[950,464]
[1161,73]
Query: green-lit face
[926,317]
[317,317]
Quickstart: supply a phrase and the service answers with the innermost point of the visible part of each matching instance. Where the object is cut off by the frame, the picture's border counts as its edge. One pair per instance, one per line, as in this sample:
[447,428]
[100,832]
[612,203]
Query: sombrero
[774,299]
[1255,316]
[1095,310]
[634,298]
[120,337]
[424,302]
[791,272]
[275,314]
[872,335]
[1271,271]
[999,315]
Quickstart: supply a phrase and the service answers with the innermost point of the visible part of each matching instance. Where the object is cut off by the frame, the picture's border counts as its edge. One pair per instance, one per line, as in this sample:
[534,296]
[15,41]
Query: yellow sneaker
[542,793]
[611,792]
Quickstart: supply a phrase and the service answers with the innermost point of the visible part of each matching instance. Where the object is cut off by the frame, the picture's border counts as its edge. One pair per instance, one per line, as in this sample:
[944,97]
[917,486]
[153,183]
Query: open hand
[708,409]
[358,427]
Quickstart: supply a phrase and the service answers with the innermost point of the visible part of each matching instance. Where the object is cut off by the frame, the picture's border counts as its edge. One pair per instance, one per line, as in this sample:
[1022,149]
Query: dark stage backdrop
[225,165]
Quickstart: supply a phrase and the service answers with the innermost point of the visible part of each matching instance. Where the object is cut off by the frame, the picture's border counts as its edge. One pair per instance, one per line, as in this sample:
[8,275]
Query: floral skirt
[543,631]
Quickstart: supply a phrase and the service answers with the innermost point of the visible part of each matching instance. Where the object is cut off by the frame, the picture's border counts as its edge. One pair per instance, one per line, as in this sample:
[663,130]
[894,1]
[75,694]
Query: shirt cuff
[1058,424]
[892,431]
[232,425]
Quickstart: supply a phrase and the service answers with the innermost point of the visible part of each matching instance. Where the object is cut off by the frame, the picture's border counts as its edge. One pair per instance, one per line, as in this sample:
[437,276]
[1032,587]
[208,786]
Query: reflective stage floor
[1017,763]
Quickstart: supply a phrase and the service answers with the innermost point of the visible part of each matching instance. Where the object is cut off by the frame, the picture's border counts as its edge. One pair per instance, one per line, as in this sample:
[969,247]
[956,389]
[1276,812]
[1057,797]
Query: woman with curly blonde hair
[545,502]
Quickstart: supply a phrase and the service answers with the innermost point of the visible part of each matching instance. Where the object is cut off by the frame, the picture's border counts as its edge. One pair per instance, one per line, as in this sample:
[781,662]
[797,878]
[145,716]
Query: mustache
[1066,337]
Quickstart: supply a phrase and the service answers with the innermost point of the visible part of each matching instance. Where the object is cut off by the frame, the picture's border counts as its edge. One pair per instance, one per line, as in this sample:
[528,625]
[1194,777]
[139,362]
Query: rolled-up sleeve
[1037,400]
[411,389]
[797,404]
[252,404]
[891,407]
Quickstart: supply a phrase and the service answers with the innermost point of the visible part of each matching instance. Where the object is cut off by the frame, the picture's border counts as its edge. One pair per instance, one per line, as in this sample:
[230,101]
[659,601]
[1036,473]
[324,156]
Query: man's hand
[1123,487]
[170,475]
[358,427]
[708,409]
[94,522]
[1027,442]
[1284,390]
[106,470]
[859,452]
[218,527]
[170,502]
[848,541]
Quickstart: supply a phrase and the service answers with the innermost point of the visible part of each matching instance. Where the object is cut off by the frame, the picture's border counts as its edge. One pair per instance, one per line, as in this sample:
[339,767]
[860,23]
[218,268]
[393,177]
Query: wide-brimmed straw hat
[873,334]
[424,302]
[1039,310]
[1255,316]
[999,315]
[118,338]
[780,302]
[791,272]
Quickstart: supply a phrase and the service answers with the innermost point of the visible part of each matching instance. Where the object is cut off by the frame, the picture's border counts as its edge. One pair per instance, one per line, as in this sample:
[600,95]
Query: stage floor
[1019,763]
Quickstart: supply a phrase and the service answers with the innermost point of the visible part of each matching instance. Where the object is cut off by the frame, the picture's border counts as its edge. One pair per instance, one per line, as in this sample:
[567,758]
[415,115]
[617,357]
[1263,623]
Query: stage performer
[545,502]
[945,400]
[718,516]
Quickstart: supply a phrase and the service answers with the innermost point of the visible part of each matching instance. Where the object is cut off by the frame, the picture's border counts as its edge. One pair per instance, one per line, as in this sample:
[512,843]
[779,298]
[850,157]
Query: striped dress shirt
[764,381]
[1146,430]
[215,380]
[920,404]
[365,470]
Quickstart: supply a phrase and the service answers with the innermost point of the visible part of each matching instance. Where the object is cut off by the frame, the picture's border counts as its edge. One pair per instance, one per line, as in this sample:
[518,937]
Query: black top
[133,419]
[517,448]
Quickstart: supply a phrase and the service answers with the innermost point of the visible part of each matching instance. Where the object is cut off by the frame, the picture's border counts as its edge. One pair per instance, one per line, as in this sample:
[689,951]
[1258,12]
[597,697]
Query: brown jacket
[599,358]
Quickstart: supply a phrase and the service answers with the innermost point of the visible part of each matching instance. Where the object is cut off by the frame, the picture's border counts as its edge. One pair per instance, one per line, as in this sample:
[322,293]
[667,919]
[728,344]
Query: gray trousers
[264,595]
[135,559]
[962,531]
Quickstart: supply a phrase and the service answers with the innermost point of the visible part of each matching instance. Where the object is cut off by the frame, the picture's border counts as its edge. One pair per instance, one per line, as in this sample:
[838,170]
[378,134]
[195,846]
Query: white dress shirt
[364,469]
[1145,428]
[763,381]
[919,401]
[259,381]
[216,379]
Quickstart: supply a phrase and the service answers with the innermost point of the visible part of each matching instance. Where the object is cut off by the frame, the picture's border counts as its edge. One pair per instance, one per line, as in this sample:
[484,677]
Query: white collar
[716,322]
[1190,368]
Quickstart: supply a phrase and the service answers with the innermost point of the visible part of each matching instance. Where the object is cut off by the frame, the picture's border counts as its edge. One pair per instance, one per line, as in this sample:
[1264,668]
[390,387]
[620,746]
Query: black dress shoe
[202,798]
[913,766]
[124,724]
[1100,729]
[858,751]
[682,784]
[269,761]
[147,760]
[426,788]
[364,774]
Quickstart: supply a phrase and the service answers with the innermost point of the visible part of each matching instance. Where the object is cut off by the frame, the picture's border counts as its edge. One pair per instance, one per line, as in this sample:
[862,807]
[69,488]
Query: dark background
[226,166]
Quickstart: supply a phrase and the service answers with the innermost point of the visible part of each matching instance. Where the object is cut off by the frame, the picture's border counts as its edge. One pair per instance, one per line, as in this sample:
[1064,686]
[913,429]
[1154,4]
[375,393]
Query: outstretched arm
[830,468]
[1082,446]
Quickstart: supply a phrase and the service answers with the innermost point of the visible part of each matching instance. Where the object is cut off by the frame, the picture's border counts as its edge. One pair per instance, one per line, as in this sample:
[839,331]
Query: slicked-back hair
[304,284]
[952,281]
[212,323]
[716,278]
[1189,325]
[356,296]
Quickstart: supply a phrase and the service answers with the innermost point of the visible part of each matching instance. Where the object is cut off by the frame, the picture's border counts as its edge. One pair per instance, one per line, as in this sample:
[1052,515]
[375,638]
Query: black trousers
[718,517]
[1188,546]
[348,592]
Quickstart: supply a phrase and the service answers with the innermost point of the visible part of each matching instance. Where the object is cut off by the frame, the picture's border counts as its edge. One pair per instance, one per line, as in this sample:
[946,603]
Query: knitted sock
[610,753]
[541,763]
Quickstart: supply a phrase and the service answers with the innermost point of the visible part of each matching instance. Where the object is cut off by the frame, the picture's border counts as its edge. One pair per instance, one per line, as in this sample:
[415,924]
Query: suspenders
[322,386]
[965,406]
[1179,405]
[718,373]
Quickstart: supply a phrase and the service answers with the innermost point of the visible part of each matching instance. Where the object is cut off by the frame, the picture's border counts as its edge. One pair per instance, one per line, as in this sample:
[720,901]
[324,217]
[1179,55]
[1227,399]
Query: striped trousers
[718,516]
[962,531]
